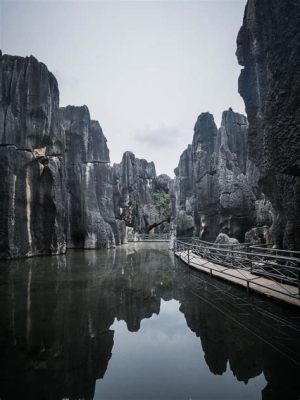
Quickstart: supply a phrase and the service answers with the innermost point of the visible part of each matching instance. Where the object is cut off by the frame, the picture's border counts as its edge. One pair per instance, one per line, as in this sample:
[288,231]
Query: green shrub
[161,200]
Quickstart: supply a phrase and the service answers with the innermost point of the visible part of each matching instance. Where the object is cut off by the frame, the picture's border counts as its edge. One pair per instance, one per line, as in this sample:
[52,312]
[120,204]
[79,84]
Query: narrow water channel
[135,323]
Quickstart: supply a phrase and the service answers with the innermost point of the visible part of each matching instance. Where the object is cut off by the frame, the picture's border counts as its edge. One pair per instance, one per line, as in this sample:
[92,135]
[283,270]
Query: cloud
[158,137]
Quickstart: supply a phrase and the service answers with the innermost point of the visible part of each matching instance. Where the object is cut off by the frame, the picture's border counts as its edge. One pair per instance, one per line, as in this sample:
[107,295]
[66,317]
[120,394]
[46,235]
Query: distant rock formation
[268,47]
[32,145]
[211,191]
[141,198]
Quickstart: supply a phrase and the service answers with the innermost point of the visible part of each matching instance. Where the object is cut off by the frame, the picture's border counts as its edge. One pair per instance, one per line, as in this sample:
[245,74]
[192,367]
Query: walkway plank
[236,276]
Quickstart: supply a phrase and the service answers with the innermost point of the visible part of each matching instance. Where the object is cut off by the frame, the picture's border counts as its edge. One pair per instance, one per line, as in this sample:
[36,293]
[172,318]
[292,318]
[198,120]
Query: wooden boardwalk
[242,277]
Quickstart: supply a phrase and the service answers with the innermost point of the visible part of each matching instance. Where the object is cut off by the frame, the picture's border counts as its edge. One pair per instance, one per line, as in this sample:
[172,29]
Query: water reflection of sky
[165,360]
[101,318]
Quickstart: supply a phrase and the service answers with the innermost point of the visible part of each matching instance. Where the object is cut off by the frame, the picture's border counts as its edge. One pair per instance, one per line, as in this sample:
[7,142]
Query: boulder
[222,238]
[259,235]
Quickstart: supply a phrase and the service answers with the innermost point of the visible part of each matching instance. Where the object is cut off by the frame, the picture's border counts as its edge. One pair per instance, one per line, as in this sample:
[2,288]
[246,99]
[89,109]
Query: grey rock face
[212,191]
[85,141]
[135,185]
[31,158]
[29,106]
[182,195]
[58,188]
[91,219]
[259,235]
[268,47]
[162,183]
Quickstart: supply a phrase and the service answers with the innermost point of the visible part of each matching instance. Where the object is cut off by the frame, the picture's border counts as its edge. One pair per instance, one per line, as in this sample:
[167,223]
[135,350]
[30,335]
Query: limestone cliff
[58,188]
[32,144]
[212,191]
[57,185]
[268,47]
[91,221]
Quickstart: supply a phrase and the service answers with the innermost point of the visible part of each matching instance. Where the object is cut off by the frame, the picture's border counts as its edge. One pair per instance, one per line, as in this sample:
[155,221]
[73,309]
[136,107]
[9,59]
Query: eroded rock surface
[141,198]
[57,185]
[212,192]
[91,219]
[32,212]
[268,47]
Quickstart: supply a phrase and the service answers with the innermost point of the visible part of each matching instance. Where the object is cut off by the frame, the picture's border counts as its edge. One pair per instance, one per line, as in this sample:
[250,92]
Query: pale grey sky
[145,69]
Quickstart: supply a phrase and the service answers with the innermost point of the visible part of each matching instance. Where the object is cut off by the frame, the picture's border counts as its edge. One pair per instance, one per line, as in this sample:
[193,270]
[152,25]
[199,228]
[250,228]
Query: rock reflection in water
[56,316]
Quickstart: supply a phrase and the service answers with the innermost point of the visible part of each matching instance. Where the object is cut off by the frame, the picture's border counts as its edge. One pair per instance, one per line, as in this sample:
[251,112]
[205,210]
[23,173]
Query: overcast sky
[145,69]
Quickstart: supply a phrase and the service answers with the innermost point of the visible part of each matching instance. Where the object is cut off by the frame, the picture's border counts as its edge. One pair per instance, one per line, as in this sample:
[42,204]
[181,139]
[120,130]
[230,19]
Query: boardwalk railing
[245,262]
[148,237]
[268,249]
[247,247]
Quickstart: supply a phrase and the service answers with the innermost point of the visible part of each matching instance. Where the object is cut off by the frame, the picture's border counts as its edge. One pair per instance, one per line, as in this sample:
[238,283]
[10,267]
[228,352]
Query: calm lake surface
[135,323]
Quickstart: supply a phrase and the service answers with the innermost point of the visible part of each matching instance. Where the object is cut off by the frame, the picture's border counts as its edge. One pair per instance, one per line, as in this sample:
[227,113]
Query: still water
[135,323]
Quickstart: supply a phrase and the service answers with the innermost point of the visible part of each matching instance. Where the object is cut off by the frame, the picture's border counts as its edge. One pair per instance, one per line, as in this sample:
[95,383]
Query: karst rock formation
[215,188]
[32,146]
[268,47]
[139,195]
[58,189]
[91,221]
